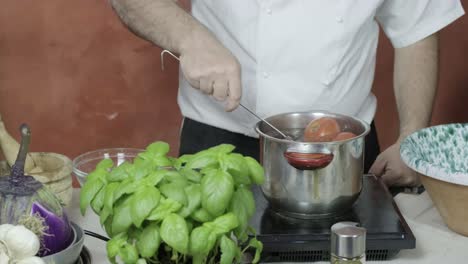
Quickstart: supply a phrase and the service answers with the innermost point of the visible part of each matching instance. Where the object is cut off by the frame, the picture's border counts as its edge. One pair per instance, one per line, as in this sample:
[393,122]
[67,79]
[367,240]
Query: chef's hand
[210,67]
[393,170]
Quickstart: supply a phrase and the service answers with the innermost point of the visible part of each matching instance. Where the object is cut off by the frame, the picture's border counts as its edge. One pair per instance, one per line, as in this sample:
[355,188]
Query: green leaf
[185,158]
[114,245]
[154,178]
[98,201]
[193,192]
[174,232]
[141,261]
[142,171]
[88,192]
[97,174]
[243,206]
[202,159]
[191,175]
[143,202]
[202,240]
[257,173]
[122,218]
[217,188]
[109,196]
[236,165]
[104,215]
[201,215]
[223,224]
[258,249]
[129,254]
[128,186]
[119,173]
[175,191]
[158,148]
[222,149]
[105,164]
[229,250]
[149,241]
[165,207]
[174,176]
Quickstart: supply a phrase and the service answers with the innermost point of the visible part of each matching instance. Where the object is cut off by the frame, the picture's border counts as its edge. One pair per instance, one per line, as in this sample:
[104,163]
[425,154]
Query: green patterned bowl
[440,155]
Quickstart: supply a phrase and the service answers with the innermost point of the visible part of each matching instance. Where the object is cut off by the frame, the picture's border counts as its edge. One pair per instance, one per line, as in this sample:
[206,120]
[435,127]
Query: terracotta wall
[82,81]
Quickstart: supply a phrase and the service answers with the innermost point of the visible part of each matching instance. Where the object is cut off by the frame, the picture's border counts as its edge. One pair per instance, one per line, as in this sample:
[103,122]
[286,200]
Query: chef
[278,56]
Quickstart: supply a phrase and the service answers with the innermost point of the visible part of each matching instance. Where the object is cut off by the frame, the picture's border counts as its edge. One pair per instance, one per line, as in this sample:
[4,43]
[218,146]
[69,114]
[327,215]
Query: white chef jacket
[302,55]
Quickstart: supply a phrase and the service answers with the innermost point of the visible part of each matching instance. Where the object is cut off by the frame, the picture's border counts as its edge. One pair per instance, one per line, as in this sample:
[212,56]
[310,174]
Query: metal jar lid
[348,240]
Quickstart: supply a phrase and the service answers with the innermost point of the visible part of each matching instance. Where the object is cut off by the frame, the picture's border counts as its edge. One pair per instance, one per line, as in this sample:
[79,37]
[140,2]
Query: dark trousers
[196,136]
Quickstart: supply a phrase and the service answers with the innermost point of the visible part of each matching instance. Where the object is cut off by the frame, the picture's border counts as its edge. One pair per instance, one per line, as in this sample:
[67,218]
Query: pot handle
[308,161]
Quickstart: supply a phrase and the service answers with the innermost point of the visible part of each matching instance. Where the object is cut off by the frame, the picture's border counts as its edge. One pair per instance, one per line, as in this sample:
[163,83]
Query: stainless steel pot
[325,190]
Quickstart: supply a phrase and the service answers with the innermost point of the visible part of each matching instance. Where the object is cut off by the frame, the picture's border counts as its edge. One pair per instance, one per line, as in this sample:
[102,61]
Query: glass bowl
[86,163]
[440,155]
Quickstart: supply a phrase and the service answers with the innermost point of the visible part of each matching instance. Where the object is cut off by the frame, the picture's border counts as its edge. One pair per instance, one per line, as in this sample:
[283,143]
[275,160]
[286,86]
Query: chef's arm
[206,64]
[415,83]
[162,22]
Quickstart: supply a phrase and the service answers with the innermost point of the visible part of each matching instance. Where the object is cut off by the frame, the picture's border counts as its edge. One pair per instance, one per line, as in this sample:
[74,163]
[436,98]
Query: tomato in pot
[344,136]
[321,130]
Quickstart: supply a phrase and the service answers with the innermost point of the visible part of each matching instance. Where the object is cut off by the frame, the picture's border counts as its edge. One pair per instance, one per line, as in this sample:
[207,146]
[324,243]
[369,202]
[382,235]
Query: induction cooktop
[299,240]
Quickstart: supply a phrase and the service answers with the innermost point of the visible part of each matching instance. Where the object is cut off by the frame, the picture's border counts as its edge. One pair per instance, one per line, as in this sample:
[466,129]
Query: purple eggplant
[25,201]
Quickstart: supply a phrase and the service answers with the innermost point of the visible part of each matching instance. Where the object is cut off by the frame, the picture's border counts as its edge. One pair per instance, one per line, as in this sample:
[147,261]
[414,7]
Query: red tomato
[321,130]
[344,136]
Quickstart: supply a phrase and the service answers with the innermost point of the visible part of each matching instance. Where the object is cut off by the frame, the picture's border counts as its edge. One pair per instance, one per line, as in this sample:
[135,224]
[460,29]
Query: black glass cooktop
[290,239]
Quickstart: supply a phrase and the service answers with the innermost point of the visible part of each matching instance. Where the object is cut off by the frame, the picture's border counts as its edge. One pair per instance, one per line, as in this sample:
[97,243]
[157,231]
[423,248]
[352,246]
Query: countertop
[435,243]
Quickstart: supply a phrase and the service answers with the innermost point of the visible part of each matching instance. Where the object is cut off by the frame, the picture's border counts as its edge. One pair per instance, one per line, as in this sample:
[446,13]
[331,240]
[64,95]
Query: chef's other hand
[210,67]
[393,170]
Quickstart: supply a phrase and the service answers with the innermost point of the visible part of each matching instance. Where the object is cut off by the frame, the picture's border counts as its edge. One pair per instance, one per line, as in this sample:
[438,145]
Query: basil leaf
[191,175]
[245,196]
[141,261]
[119,173]
[109,196]
[115,244]
[97,174]
[258,249]
[88,192]
[165,207]
[128,186]
[104,215]
[228,250]
[222,149]
[122,218]
[202,159]
[175,233]
[257,173]
[201,215]
[98,202]
[129,254]
[174,176]
[143,202]
[154,178]
[217,188]
[240,207]
[236,165]
[149,241]
[202,240]
[158,148]
[105,164]
[193,193]
[174,190]
[185,158]
[223,224]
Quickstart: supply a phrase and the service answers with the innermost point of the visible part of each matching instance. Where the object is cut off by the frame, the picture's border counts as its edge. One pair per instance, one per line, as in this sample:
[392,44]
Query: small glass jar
[348,243]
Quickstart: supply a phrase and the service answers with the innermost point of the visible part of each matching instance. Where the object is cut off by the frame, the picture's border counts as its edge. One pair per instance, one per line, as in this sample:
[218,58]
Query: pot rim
[363,123]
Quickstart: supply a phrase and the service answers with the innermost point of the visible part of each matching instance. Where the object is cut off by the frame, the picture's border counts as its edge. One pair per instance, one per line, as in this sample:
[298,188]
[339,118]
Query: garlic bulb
[4,259]
[21,242]
[31,260]
[4,229]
